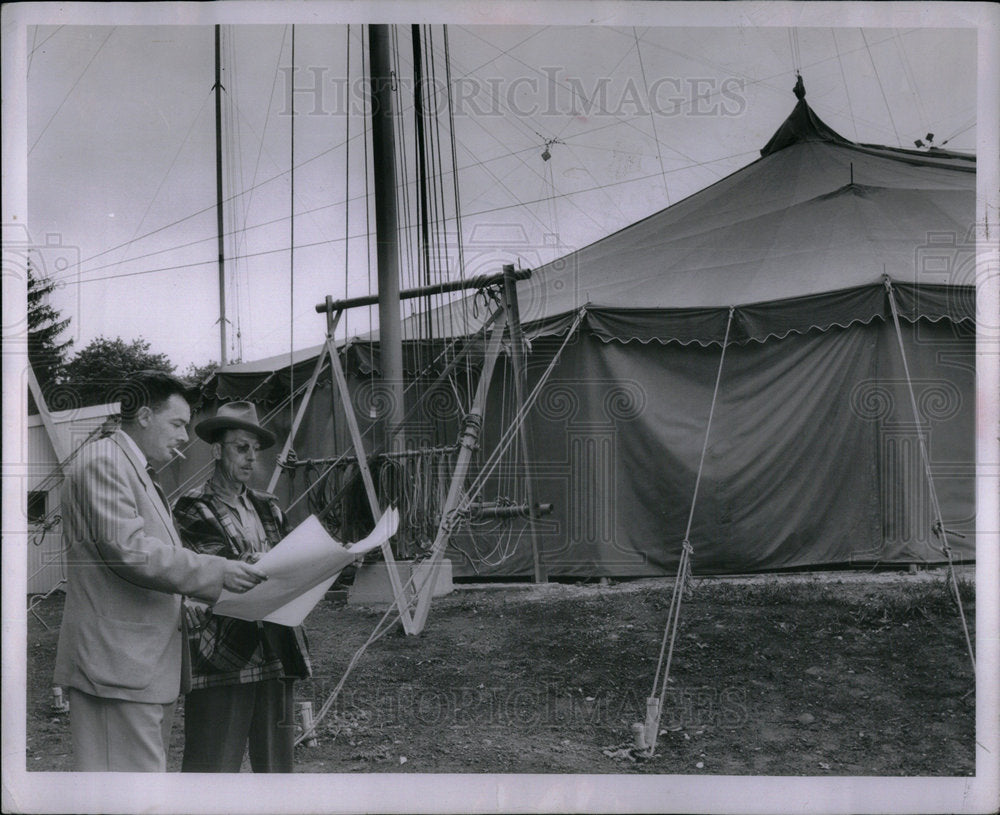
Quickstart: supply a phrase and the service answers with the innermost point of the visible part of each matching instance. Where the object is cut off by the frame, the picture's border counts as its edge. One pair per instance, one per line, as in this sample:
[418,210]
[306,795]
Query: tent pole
[386,229]
[518,358]
[43,411]
[290,440]
[339,382]
[380,449]
[220,227]
[469,442]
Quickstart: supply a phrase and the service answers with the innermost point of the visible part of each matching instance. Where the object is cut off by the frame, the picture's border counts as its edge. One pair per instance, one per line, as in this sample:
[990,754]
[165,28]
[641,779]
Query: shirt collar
[135,449]
[211,490]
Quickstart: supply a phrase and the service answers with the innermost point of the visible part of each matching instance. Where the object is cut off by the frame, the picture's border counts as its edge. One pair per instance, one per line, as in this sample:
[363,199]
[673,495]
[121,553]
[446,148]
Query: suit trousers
[113,735]
[220,721]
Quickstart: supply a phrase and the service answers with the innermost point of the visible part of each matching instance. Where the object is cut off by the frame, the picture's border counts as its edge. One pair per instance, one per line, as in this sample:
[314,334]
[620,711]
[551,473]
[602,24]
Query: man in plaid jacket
[242,672]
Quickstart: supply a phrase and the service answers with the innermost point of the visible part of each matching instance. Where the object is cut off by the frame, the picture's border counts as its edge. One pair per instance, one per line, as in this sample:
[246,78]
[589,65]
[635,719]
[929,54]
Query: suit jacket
[121,633]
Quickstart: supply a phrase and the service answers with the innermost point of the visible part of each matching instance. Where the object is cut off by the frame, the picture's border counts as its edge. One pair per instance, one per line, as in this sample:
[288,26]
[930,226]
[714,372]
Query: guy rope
[938,527]
[646,734]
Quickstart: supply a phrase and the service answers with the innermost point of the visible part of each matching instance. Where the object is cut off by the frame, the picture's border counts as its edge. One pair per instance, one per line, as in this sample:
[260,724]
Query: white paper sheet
[299,571]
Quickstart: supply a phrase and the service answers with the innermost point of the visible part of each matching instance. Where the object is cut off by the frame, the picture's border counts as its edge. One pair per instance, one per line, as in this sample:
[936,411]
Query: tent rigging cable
[652,119]
[843,77]
[793,46]
[878,79]
[442,222]
[654,704]
[469,494]
[135,235]
[938,528]
[368,215]
[454,177]
[35,45]
[441,218]
[291,249]
[378,450]
[69,93]
[235,181]
[243,254]
[444,311]
[258,185]
[501,184]
[480,164]
[347,181]
[910,79]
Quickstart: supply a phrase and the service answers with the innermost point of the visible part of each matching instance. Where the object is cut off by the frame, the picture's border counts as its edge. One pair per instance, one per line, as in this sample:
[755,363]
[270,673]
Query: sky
[121,158]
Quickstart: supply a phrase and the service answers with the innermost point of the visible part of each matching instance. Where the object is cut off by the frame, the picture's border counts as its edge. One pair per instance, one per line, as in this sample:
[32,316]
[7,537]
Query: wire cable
[881,88]
[652,119]
[72,88]
[843,77]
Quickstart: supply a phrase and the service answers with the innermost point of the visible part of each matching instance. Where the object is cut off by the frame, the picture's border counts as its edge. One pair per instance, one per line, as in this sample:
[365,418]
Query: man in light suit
[120,644]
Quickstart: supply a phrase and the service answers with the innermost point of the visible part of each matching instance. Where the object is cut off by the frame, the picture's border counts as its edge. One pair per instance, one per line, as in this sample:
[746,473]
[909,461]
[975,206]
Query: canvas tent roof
[788,225]
[798,239]
[812,459]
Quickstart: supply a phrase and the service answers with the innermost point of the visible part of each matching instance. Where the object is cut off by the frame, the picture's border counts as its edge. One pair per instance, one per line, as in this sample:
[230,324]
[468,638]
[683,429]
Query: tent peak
[800,89]
[802,125]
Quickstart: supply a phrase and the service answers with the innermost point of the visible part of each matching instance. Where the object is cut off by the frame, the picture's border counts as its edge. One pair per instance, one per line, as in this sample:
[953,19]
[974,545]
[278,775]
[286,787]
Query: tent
[813,459]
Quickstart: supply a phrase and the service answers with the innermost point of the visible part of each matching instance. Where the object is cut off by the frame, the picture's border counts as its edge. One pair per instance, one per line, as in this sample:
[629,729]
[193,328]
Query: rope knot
[685,575]
[939,532]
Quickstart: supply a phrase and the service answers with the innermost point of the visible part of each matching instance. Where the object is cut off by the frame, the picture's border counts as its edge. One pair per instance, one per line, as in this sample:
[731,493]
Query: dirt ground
[833,674]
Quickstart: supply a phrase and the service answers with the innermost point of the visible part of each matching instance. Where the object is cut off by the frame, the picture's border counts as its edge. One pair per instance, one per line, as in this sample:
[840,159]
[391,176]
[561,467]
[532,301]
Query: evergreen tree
[46,350]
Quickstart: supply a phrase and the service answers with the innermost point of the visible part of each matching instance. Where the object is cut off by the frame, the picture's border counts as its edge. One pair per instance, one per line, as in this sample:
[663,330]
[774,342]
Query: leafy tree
[46,349]
[197,374]
[95,371]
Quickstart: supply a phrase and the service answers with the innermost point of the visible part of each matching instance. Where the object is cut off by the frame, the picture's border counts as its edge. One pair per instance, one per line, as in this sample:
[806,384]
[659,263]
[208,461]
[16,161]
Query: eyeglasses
[242,447]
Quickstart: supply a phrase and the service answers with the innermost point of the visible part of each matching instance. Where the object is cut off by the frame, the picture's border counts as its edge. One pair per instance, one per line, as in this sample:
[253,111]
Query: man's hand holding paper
[300,570]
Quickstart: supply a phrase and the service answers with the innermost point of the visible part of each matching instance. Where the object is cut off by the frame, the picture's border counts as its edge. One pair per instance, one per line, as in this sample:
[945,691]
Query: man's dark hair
[147,389]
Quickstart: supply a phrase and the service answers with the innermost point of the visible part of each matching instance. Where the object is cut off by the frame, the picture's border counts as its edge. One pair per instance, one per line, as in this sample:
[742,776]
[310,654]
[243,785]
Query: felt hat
[234,416]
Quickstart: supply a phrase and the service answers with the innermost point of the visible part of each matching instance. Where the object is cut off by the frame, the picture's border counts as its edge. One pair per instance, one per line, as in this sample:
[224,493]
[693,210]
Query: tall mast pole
[418,112]
[218,193]
[386,230]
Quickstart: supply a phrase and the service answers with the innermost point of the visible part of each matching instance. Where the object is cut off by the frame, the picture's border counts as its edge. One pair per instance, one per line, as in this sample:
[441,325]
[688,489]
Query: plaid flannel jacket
[230,651]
